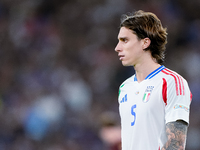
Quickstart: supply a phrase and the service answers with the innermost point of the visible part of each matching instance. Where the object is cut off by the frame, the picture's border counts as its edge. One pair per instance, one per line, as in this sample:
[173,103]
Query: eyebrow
[122,38]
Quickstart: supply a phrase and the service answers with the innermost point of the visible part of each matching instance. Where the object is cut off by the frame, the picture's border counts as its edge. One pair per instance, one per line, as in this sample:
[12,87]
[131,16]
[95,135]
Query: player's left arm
[176,133]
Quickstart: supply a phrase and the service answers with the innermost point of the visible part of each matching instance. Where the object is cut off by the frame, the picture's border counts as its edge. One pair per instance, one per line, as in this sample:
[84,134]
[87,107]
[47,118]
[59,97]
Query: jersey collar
[152,74]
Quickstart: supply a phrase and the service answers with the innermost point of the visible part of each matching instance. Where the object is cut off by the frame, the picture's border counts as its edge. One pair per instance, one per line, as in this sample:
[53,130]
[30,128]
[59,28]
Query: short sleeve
[178,99]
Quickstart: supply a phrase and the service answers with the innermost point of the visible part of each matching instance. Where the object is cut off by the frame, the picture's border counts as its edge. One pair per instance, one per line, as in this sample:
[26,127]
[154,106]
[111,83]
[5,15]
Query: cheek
[129,48]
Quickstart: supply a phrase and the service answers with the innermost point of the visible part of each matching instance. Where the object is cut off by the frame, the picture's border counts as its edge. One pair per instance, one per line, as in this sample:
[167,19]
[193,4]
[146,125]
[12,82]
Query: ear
[146,43]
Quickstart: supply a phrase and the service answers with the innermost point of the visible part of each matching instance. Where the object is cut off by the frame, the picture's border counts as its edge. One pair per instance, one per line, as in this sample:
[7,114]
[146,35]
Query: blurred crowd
[59,73]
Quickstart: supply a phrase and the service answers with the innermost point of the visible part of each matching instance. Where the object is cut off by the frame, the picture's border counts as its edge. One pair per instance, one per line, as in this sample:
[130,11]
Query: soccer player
[154,103]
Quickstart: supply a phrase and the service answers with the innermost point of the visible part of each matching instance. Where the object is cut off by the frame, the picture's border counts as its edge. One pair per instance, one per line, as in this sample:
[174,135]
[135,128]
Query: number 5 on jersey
[134,114]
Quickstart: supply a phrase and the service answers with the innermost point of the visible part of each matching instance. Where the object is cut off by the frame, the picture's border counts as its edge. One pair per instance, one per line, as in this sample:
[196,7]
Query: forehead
[125,32]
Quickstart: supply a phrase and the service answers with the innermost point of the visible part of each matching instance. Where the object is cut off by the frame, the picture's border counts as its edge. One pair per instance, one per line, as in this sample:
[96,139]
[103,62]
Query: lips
[121,57]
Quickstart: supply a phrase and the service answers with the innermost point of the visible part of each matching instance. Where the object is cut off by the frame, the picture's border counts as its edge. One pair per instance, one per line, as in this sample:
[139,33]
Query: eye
[125,40]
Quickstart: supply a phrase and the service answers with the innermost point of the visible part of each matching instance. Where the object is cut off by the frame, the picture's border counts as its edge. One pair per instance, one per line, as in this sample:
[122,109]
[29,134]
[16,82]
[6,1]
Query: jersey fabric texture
[145,108]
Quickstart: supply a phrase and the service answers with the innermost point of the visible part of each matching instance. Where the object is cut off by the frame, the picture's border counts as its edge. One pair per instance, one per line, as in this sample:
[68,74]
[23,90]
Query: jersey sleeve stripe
[176,83]
[183,86]
[164,91]
[180,80]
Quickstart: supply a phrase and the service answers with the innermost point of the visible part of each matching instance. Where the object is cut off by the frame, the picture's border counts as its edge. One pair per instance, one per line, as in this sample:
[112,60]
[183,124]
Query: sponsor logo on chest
[124,99]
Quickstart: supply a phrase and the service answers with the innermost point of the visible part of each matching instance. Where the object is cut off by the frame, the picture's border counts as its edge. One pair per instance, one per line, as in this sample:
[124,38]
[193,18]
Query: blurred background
[59,73]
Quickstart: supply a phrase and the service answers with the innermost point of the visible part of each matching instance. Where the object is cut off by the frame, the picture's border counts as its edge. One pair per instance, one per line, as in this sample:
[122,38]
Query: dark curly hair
[147,24]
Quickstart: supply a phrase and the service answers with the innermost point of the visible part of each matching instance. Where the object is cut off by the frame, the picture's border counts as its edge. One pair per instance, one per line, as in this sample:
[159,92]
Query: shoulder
[175,81]
[172,76]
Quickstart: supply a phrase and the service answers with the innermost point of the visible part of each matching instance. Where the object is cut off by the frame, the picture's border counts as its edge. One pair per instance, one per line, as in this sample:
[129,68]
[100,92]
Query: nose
[117,48]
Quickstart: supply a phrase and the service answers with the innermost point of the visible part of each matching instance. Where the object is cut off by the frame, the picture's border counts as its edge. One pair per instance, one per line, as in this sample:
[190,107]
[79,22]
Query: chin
[125,64]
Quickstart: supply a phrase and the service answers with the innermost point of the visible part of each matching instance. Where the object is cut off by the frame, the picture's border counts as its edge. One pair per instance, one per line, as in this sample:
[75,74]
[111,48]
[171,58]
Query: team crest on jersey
[147,93]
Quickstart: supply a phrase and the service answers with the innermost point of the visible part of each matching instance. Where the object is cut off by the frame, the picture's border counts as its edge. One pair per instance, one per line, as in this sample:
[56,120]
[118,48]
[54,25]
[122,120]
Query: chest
[147,97]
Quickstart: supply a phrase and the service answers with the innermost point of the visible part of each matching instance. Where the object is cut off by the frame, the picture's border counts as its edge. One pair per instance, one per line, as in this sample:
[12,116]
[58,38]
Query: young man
[154,103]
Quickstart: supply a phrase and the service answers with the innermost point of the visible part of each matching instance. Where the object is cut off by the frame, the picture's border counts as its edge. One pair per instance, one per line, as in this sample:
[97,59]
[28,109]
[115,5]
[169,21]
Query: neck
[143,70]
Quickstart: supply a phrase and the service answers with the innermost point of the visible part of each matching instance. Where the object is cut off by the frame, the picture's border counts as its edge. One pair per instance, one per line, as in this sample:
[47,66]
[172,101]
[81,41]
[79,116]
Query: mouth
[121,57]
